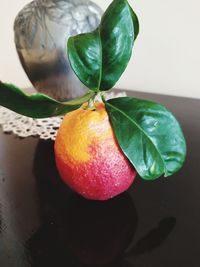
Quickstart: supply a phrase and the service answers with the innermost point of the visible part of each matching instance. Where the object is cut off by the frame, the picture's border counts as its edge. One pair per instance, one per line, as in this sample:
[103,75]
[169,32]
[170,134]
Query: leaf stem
[103,97]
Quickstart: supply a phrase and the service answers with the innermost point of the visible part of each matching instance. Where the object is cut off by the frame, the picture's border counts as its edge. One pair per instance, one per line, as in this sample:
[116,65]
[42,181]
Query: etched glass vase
[42,29]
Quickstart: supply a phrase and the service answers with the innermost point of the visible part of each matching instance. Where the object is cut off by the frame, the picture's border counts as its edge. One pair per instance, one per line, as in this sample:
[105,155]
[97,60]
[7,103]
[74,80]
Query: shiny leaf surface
[36,105]
[99,58]
[149,136]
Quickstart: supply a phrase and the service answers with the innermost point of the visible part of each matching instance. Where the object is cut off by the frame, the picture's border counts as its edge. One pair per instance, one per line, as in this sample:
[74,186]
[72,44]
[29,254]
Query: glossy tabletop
[154,224]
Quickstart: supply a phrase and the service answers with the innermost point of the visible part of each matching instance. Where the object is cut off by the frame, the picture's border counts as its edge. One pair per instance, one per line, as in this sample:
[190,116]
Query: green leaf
[37,105]
[149,135]
[99,58]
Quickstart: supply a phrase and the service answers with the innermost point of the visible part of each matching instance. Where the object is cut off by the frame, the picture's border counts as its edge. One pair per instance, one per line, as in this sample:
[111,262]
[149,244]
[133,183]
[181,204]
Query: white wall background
[166,57]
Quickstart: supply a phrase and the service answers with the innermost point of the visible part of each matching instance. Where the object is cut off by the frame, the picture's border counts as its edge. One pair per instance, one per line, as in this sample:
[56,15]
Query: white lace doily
[43,128]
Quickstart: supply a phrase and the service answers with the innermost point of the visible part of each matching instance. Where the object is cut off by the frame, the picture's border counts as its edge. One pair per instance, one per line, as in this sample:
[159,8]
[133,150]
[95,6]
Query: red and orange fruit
[88,156]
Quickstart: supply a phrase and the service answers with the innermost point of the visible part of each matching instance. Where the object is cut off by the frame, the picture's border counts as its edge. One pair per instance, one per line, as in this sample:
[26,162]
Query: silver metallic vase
[42,29]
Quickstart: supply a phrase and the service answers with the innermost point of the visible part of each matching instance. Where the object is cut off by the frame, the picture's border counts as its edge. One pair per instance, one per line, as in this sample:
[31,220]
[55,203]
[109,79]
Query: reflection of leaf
[155,237]
[31,29]
[55,14]
[37,105]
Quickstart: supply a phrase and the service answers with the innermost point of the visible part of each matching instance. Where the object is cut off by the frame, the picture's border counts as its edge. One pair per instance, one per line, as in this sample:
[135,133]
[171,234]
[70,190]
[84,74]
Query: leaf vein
[142,130]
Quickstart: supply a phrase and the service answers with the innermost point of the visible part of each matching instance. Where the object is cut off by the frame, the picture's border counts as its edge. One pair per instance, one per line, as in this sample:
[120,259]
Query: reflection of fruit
[88,157]
[105,232]
[75,231]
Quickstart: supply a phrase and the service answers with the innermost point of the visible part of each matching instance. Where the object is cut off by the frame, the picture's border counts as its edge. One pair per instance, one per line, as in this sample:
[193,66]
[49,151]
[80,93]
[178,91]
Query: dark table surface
[154,224]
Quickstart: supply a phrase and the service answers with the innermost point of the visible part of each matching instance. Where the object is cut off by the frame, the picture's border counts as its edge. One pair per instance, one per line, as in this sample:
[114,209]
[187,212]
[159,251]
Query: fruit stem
[91,105]
[91,102]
